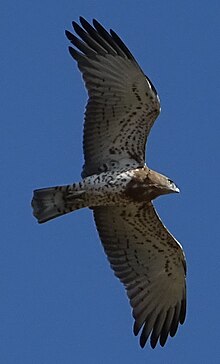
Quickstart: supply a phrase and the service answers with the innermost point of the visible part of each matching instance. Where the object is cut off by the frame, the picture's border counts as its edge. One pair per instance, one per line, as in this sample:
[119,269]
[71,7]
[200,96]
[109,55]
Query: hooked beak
[176,189]
[173,188]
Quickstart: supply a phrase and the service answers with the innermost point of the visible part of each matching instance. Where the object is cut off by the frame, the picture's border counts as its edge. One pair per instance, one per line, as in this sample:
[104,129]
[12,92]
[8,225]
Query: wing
[151,265]
[122,105]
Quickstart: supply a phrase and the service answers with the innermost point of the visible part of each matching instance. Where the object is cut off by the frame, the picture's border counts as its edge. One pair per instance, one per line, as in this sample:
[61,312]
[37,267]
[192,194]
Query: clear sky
[60,302]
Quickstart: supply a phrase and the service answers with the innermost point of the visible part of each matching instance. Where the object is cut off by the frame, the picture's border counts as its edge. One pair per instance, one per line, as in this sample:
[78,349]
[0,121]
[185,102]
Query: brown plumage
[117,185]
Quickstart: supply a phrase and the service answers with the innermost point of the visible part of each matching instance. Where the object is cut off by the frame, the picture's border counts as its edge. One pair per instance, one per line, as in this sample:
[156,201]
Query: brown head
[147,184]
[160,184]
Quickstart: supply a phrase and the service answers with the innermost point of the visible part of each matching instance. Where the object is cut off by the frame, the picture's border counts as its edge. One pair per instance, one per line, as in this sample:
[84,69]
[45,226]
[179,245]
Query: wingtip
[136,329]
[75,25]
[143,340]
[153,342]
[98,26]
[68,34]
[94,22]
[73,52]
[183,312]
[112,32]
[82,19]
[163,339]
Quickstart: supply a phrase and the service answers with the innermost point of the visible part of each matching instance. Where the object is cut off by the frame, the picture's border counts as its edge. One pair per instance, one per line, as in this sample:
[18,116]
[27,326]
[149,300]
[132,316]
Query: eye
[172,184]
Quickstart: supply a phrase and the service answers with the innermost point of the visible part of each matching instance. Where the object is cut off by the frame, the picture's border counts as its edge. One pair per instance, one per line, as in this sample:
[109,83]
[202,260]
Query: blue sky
[60,302]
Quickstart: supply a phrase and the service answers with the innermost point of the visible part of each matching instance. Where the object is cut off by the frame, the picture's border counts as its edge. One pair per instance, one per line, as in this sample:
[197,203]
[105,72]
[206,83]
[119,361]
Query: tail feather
[48,203]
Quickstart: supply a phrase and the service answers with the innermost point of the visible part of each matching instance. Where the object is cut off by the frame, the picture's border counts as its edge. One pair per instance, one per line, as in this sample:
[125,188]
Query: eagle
[119,187]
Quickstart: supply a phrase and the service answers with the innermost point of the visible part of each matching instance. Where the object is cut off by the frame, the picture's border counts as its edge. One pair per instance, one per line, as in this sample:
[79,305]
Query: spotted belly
[115,188]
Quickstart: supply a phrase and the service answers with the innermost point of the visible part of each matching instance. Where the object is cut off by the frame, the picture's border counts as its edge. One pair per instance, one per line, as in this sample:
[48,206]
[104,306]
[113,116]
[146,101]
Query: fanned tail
[52,202]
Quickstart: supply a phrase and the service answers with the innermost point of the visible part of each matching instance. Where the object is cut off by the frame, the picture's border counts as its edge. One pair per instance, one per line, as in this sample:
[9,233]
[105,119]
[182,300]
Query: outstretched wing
[151,265]
[122,105]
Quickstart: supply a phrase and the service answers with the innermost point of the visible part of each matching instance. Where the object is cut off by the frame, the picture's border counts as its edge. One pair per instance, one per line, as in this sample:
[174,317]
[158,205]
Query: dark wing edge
[96,40]
[158,300]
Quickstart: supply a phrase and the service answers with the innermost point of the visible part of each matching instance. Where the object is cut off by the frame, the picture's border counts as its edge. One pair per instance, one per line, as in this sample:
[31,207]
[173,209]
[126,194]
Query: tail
[52,202]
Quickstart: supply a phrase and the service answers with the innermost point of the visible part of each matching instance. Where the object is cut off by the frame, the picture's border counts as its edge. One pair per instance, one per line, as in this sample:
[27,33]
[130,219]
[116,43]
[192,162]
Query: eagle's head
[146,185]
[161,184]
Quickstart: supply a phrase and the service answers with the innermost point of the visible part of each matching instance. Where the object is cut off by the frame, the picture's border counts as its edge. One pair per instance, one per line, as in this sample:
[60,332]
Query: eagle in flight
[119,187]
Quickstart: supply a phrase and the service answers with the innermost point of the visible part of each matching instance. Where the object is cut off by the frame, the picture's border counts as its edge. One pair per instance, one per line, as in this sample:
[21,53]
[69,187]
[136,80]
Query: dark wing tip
[77,28]
[101,30]
[153,341]
[68,34]
[84,22]
[162,329]
[82,19]
[136,328]
[94,39]
[121,44]
[143,341]
[97,25]
[183,311]
[73,53]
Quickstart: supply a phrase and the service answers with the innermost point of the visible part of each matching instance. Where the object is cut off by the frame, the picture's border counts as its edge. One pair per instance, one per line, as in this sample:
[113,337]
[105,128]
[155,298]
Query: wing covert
[122,104]
[151,265]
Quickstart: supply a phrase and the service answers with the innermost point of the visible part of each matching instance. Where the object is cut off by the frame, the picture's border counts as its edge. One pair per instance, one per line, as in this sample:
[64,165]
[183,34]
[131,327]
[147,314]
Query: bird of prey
[119,187]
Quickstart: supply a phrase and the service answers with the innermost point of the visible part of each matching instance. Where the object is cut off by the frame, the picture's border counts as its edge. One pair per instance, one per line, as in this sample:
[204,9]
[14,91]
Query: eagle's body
[113,188]
[119,187]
